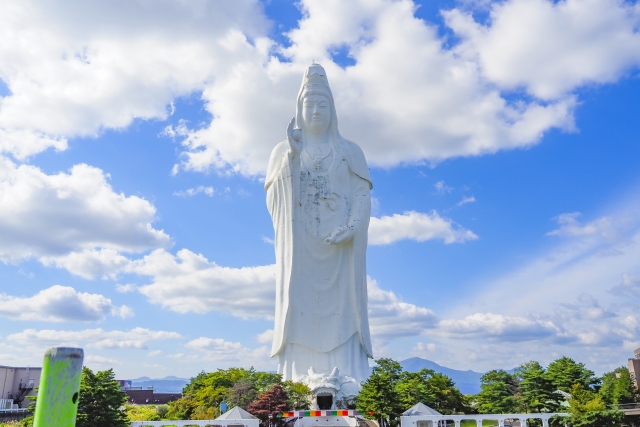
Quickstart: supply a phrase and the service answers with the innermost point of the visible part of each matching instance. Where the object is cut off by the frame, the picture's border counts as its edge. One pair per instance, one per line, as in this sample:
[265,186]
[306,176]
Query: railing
[623,406]
[626,407]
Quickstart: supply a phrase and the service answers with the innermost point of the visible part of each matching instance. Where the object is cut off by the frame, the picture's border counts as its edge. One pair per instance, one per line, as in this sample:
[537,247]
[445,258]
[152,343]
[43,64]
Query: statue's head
[316,111]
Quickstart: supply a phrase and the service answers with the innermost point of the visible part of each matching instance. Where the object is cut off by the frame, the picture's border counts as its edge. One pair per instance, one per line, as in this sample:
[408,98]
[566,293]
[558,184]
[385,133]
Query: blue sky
[502,140]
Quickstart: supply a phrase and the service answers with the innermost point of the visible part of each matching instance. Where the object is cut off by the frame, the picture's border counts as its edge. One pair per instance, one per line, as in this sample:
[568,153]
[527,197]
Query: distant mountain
[467,381]
[168,384]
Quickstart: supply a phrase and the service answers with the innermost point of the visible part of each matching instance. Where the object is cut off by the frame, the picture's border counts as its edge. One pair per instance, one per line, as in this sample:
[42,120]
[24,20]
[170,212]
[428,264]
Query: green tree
[588,409]
[204,393]
[537,392]
[497,395]
[379,397]
[142,413]
[618,388]
[565,372]
[162,410]
[181,409]
[101,401]
[299,395]
[242,393]
[448,399]
[412,388]
[264,381]
[269,405]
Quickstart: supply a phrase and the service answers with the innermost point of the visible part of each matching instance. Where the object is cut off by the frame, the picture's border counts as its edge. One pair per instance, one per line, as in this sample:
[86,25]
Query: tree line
[260,393]
[563,386]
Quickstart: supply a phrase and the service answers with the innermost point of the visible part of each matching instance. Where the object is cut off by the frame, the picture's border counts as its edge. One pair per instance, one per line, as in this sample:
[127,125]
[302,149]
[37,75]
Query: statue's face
[316,113]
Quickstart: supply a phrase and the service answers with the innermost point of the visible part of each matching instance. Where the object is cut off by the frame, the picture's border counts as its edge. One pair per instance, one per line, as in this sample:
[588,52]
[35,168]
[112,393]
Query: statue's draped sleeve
[360,215]
[279,186]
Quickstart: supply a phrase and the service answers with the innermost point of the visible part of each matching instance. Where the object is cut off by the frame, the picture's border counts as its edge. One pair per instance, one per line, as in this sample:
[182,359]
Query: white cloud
[466,200]
[267,240]
[416,226]
[61,304]
[126,288]
[424,350]
[585,308]
[90,263]
[442,188]
[590,262]
[136,338]
[101,65]
[123,311]
[570,227]
[406,99]
[209,191]
[629,286]
[180,130]
[48,216]
[218,351]
[492,326]
[154,353]
[265,337]
[189,282]
[216,345]
[92,360]
[390,317]
[583,42]
[575,298]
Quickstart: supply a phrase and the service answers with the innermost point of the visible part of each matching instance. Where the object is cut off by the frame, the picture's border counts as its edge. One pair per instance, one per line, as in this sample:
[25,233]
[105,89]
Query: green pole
[59,389]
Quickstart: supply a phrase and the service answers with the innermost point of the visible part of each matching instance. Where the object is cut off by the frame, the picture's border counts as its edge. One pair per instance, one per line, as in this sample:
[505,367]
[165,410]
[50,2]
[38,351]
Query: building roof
[236,413]
[420,409]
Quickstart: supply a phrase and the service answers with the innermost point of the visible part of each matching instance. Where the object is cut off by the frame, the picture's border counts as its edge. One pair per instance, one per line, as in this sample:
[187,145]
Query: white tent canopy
[236,413]
[420,409]
[236,417]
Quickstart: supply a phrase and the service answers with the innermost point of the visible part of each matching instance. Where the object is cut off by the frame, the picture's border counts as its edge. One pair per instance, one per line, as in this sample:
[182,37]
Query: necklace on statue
[317,156]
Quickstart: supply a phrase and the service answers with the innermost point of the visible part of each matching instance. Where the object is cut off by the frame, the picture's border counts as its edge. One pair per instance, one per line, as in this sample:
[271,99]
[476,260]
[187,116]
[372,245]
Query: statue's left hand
[340,234]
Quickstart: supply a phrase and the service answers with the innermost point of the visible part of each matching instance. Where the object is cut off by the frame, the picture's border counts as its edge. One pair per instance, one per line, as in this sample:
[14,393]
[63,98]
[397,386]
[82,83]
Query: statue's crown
[316,78]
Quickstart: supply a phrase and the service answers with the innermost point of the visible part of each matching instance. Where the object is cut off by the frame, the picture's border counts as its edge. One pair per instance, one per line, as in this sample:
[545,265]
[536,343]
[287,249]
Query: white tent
[420,409]
[423,416]
[236,417]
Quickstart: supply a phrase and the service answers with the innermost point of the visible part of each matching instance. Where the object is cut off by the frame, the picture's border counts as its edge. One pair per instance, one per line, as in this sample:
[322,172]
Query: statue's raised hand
[340,234]
[294,136]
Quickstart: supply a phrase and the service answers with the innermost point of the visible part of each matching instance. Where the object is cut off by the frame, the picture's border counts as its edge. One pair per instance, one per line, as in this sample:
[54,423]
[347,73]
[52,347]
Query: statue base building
[328,418]
[326,422]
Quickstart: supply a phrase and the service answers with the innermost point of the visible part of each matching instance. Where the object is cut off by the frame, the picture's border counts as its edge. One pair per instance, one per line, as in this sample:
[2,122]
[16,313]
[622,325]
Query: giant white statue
[318,194]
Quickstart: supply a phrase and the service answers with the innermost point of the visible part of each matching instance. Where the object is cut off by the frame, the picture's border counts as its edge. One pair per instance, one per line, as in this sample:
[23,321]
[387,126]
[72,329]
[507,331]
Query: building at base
[16,383]
[634,368]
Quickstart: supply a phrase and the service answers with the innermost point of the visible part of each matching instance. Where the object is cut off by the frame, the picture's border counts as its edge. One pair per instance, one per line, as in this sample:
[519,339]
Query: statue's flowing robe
[321,290]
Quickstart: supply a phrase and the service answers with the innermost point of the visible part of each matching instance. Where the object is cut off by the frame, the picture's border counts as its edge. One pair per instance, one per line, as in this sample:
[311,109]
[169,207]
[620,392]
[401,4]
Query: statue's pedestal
[330,391]
[326,422]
